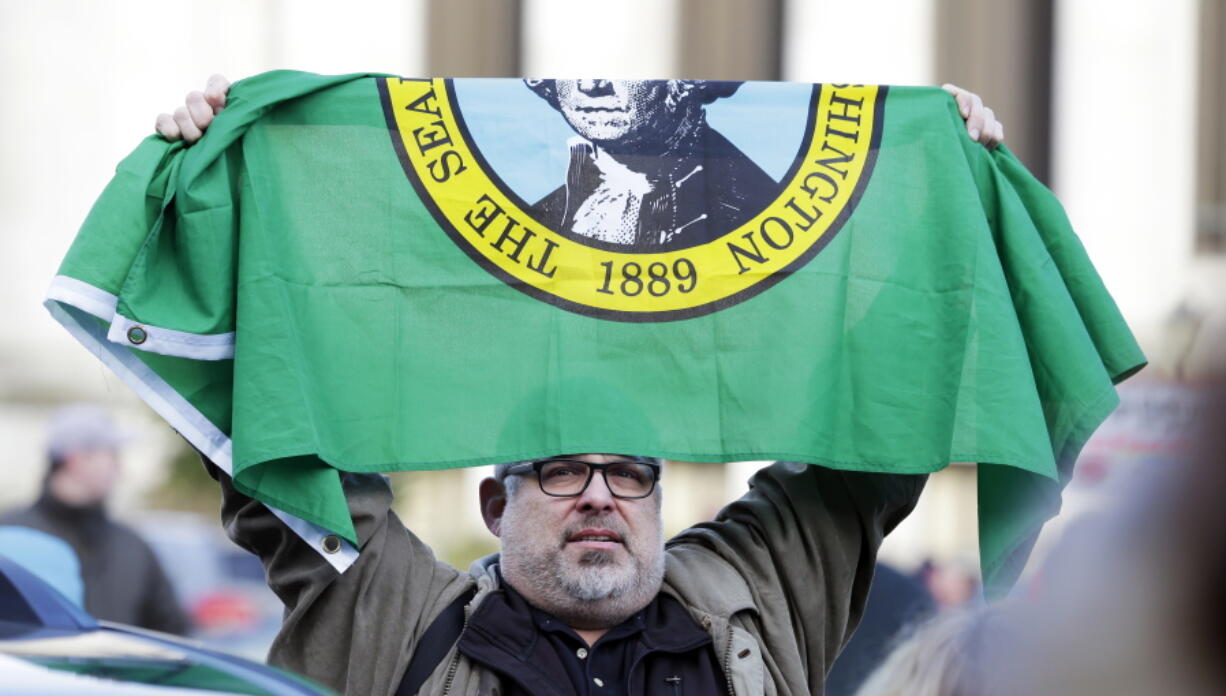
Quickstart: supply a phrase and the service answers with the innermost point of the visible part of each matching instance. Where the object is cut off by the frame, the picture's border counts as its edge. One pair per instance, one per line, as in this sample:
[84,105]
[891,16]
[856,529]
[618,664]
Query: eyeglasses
[566,478]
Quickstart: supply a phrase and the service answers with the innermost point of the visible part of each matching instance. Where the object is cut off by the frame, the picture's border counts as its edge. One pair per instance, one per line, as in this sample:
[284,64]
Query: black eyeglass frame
[592,468]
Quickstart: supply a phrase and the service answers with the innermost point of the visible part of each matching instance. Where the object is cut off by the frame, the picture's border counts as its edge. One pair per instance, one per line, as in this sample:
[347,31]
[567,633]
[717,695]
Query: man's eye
[627,473]
[562,471]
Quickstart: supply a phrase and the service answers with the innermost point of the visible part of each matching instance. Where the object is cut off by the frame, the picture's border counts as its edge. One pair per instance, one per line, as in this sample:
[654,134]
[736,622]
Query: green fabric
[953,317]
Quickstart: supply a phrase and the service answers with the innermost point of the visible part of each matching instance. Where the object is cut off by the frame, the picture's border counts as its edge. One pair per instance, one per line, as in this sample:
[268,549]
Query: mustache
[602,521]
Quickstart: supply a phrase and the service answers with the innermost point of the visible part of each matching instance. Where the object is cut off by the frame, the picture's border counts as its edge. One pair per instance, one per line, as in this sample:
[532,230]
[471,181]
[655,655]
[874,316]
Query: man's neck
[648,158]
[71,493]
[590,636]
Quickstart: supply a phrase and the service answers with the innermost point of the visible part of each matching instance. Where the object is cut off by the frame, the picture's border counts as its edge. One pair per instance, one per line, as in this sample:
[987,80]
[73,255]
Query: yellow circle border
[487,221]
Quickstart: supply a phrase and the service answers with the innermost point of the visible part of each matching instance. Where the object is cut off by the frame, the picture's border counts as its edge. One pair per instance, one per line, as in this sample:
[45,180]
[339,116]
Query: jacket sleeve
[803,542]
[352,631]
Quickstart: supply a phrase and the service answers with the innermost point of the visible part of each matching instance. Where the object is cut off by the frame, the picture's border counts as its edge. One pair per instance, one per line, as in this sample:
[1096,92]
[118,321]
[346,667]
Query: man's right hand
[189,121]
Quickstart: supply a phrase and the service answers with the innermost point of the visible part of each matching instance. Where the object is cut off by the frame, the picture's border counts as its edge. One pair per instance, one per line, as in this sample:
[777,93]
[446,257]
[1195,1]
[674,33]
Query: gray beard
[595,579]
[593,594]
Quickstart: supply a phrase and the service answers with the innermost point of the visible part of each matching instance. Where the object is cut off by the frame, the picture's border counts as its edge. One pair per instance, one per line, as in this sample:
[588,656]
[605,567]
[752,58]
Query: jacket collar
[503,632]
[711,587]
[84,516]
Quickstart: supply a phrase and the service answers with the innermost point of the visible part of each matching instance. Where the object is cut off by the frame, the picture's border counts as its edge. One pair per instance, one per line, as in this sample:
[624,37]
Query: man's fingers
[187,128]
[999,136]
[971,108]
[989,126]
[993,130]
[188,122]
[974,122]
[199,110]
[962,96]
[167,128]
[215,91]
[981,123]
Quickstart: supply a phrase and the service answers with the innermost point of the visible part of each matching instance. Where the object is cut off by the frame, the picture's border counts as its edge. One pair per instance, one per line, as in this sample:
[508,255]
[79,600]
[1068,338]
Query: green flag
[370,273]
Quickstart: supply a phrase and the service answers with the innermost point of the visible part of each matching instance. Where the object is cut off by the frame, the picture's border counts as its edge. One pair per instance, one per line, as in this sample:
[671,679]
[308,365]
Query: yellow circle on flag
[632,282]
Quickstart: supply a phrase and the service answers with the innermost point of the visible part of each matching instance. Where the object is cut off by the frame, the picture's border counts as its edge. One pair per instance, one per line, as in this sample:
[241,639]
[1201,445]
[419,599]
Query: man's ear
[493,503]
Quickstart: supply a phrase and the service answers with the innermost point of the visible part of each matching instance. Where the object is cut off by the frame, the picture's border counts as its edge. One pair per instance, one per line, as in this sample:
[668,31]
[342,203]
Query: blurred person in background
[123,580]
[954,582]
[1130,600]
[1128,603]
[945,656]
[896,603]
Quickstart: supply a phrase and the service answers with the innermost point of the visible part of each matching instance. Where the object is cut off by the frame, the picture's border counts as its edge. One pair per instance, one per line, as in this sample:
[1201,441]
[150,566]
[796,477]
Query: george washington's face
[622,112]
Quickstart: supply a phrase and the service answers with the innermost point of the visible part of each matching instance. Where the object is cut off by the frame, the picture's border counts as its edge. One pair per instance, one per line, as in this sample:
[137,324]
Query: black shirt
[598,669]
[659,650]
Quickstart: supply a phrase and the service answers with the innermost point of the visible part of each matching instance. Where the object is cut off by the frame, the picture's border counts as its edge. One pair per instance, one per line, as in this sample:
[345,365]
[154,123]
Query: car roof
[27,599]
[45,632]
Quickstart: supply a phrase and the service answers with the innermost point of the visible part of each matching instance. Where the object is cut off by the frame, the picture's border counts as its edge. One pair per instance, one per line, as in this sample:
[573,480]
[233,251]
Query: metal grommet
[331,543]
[137,335]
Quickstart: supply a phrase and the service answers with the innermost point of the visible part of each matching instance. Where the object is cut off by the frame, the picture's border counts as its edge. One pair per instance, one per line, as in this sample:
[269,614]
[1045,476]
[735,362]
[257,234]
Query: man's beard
[596,590]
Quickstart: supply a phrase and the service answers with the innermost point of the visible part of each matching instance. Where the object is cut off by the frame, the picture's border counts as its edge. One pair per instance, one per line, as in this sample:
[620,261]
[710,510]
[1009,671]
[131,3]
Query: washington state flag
[372,273]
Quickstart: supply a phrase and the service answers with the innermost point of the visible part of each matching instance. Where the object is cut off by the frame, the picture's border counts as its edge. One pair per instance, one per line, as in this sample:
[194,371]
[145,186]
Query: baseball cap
[83,427]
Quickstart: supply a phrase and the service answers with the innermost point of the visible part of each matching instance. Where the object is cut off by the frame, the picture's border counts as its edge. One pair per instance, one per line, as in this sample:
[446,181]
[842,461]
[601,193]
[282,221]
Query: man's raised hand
[189,121]
[981,121]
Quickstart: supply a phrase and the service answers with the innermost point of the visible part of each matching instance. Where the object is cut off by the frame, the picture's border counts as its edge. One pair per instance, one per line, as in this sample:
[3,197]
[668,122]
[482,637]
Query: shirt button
[598,681]
[581,652]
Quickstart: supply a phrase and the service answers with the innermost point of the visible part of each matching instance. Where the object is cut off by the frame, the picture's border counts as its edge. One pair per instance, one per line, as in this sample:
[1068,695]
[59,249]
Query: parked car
[219,584]
[48,645]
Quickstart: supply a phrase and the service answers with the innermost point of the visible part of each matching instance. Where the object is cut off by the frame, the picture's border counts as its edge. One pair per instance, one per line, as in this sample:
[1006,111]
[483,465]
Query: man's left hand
[981,121]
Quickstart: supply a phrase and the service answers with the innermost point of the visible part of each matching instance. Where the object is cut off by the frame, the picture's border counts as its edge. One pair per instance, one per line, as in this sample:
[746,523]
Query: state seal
[647,200]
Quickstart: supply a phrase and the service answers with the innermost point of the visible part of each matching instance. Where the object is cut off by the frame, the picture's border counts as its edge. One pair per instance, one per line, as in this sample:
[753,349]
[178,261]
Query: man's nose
[596,88]
[597,496]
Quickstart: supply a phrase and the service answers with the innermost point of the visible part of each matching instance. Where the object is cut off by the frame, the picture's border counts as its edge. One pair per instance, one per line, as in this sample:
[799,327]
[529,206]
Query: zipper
[455,661]
[728,662]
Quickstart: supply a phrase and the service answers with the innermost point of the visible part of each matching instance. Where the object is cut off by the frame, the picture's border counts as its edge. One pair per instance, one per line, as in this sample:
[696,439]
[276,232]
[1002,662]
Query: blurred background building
[1114,104]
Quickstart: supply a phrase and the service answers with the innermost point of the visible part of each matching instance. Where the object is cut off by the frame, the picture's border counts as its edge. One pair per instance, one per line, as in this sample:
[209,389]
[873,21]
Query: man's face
[591,560]
[93,474]
[621,111]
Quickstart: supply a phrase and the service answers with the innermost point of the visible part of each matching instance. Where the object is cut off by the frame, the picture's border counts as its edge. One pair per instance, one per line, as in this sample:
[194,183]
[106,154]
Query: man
[585,596]
[123,580]
[646,169]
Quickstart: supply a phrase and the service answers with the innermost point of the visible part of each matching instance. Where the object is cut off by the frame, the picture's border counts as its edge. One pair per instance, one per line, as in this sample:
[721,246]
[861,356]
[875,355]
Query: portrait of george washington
[646,171]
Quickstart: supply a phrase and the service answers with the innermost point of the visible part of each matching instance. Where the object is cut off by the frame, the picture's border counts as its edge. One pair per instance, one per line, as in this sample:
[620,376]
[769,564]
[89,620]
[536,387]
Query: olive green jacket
[779,580]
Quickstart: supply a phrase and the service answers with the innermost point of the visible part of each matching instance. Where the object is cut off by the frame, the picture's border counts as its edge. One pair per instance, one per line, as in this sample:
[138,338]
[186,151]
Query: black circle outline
[623,315]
